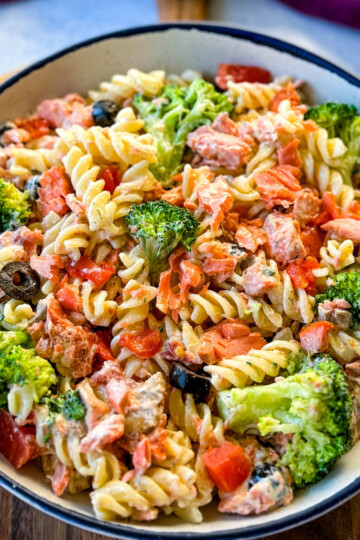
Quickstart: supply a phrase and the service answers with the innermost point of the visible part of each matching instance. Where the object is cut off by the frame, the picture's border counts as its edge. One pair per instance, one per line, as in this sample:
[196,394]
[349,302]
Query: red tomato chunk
[301,274]
[112,178]
[85,268]
[17,443]
[144,344]
[227,466]
[238,73]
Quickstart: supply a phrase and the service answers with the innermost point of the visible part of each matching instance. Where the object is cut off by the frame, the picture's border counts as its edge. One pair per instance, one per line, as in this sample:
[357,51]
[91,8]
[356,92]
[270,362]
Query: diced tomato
[355,207]
[55,185]
[36,127]
[112,177]
[85,268]
[330,205]
[239,73]
[288,92]
[312,242]
[227,466]
[68,297]
[301,274]
[144,344]
[103,346]
[17,443]
[314,336]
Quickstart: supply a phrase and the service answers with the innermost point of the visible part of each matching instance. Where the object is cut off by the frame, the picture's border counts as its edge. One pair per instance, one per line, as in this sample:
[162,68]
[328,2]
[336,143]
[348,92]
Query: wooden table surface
[18,521]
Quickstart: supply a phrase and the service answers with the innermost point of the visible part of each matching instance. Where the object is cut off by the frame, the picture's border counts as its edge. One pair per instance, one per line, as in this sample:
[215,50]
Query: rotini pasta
[254,366]
[24,161]
[122,87]
[16,314]
[182,264]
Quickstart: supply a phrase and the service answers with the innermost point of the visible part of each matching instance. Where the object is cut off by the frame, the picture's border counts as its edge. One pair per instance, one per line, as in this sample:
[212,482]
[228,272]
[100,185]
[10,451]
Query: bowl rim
[91,523]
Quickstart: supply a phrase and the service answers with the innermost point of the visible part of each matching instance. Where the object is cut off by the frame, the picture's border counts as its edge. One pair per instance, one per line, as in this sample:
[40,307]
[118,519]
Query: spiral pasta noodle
[102,467]
[142,284]
[100,209]
[24,161]
[252,95]
[252,367]
[122,87]
[66,235]
[108,145]
[158,488]
[16,314]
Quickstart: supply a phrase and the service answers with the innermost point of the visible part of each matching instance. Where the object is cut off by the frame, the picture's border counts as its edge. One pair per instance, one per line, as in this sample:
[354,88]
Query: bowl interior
[176,49]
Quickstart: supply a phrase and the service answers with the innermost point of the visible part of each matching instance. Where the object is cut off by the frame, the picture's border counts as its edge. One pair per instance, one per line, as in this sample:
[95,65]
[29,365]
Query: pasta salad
[179,292]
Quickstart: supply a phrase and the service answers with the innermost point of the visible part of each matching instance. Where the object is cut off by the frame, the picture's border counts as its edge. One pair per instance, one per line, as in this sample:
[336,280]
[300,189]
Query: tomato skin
[36,127]
[86,269]
[239,73]
[112,178]
[312,241]
[17,443]
[301,275]
[330,205]
[144,344]
[227,466]
[103,346]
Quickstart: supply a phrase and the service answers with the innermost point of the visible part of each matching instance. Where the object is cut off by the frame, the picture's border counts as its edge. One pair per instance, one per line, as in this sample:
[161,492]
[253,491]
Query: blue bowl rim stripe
[254,37]
[111,528]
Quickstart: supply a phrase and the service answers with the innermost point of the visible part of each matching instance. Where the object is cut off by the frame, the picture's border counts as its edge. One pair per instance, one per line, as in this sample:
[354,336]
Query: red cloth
[340,11]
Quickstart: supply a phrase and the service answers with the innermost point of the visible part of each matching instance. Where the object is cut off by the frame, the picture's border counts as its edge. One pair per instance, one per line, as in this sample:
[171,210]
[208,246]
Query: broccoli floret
[346,286]
[69,404]
[175,113]
[314,406]
[341,120]
[22,367]
[8,339]
[160,227]
[14,207]
[296,362]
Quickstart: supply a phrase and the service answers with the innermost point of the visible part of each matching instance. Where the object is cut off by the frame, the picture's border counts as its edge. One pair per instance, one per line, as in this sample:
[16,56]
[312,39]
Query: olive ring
[28,281]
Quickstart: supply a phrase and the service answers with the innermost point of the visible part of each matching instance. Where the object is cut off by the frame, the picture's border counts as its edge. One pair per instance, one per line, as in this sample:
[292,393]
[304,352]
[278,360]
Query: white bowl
[175,47]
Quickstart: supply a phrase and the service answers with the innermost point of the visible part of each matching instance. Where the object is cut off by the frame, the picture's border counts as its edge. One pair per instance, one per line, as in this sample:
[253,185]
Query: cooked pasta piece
[24,161]
[16,315]
[122,87]
[252,367]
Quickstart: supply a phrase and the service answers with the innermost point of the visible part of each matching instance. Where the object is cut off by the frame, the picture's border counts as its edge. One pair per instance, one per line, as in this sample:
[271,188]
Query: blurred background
[32,29]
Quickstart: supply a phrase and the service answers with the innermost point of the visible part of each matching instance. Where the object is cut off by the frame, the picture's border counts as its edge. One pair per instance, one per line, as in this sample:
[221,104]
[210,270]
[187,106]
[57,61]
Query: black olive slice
[263,470]
[104,112]
[18,280]
[189,382]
